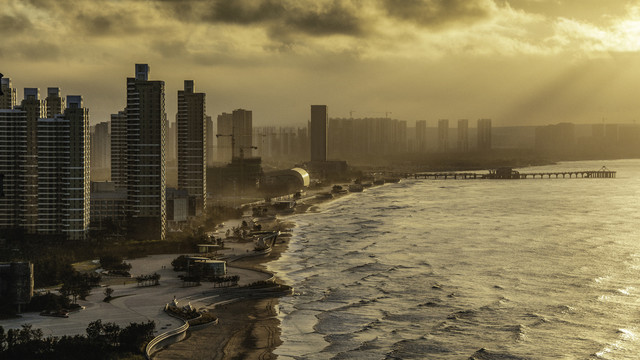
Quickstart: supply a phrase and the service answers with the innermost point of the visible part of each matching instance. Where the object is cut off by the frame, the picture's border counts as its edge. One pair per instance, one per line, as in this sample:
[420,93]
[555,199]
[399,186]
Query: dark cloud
[286,18]
[435,13]
[14,24]
[104,24]
[246,12]
[37,51]
[170,48]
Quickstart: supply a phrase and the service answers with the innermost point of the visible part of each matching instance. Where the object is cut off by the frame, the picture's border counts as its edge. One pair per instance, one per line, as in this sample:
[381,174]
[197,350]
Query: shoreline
[249,328]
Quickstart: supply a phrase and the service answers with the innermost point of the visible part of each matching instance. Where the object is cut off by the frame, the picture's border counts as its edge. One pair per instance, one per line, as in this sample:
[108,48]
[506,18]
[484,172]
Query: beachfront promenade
[140,304]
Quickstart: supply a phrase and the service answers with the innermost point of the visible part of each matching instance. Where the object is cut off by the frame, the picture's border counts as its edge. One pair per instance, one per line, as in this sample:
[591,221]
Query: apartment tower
[242,122]
[192,145]
[146,169]
[13,159]
[63,173]
[319,125]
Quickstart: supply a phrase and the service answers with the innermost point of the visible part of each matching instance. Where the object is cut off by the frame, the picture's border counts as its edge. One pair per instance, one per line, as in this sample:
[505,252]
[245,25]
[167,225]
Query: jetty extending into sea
[509,173]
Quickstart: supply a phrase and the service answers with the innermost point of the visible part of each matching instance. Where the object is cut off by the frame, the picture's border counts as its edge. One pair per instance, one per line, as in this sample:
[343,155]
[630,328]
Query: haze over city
[519,62]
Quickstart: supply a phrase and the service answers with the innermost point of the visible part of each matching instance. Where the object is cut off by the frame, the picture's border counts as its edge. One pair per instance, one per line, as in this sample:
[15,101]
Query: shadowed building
[13,159]
[146,169]
[63,173]
[319,123]
[484,134]
[210,141]
[100,146]
[34,109]
[242,133]
[8,98]
[192,145]
[224,128]
[463,135]
[54,102]
[119,149]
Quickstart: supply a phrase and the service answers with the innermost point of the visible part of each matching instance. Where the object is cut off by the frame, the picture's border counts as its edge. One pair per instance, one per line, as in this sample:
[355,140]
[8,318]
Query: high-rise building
[34,109]
[210,141]
[443,135]
[64,173]
[146,168]
[242,138]
[101,146]
[172,137]
[319,125]
[192,145]
[484,134]
[54,102]
[463,135]
[224,137]
[13,159]
[119,149]
[8,99]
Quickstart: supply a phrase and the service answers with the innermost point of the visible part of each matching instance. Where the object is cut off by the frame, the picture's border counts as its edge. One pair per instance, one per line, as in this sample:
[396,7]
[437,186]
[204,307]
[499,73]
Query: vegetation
[79,285]
[180,263]
[148,280]
[103,341]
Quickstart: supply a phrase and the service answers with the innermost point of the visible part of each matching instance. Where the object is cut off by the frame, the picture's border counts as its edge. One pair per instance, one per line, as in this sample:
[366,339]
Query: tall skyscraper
[146,168]
[13,159]
[319,124]
[8,99]
[192,145]
[34,109]
[484,134]
[443,135]
[63,174]
[172,137]
[463,135]
[101,146]
[119,149]
[242,133]
[54,102]
[223,137]
[210,141]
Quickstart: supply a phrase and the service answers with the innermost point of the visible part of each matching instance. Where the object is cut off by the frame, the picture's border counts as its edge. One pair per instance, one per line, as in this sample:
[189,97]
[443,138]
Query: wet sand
[247,329]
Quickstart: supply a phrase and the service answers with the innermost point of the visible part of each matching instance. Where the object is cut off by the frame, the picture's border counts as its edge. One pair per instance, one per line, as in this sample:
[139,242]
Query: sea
[440,269]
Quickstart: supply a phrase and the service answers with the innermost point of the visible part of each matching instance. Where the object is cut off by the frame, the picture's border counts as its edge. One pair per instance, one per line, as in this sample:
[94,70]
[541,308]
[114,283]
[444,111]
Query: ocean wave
[484,354]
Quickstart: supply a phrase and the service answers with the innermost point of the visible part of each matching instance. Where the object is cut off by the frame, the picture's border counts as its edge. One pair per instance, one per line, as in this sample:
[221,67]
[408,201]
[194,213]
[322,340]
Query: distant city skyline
[518,62]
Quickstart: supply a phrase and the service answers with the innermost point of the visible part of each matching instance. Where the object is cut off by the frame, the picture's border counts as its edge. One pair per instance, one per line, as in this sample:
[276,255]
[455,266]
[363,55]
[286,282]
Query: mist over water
[439,269]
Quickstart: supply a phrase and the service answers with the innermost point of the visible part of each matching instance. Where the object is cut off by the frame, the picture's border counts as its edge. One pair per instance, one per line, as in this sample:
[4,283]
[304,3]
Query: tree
[136,335]
[76,286]
[108,292]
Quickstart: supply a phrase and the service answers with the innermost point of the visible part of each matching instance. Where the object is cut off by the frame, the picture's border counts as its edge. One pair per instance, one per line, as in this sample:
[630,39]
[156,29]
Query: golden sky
[519,62]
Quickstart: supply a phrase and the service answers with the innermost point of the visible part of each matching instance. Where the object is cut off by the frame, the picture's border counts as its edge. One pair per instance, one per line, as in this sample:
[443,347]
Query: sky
[518,62]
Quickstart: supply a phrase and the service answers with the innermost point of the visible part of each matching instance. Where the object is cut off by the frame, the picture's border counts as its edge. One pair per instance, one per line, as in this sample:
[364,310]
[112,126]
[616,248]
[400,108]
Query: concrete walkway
[139,304]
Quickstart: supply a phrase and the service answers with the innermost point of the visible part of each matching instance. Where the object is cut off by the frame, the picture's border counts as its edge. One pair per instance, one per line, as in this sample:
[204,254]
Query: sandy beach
[247,329]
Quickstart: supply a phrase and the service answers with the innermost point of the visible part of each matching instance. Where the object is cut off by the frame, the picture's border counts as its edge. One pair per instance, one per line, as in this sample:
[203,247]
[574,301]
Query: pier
[508,173]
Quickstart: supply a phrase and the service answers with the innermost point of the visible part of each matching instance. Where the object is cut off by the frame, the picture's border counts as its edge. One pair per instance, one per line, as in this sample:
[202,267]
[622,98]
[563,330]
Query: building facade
[319,129]
[192,144]
[146,168]
[63,173]
[242,134]
[13,159]
[8,98]
[223,137]
[54,102]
